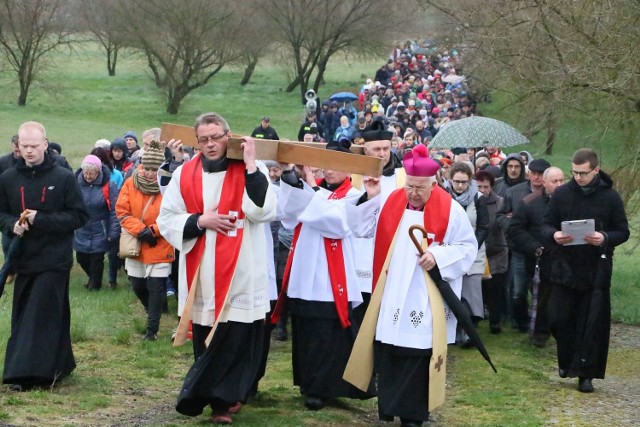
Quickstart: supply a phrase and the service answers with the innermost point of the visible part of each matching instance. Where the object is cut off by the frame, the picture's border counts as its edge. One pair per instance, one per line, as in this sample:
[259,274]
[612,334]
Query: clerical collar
[330,187]
[217,165]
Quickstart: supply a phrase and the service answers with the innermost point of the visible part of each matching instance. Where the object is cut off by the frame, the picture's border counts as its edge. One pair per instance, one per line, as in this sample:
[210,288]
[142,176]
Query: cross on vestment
[298,153]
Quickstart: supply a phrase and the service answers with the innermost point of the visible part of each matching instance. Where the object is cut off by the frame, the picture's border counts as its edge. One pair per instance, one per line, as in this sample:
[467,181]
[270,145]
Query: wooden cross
[439,363]
[299,153]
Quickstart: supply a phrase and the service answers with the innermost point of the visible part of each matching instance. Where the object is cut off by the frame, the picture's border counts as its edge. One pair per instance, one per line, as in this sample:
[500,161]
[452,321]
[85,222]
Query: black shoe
[281,333]
[538,341]
[18,388]
[495,328]
[113,285]
[149,336]
[314,403]
[562,373]
[584,385]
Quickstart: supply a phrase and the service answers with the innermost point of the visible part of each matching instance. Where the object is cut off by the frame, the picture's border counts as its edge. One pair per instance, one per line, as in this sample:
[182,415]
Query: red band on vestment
[227,247]
[436,221]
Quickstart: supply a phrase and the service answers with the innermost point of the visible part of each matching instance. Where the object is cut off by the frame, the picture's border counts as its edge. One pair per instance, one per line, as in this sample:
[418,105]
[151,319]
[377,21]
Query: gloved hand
[146,236]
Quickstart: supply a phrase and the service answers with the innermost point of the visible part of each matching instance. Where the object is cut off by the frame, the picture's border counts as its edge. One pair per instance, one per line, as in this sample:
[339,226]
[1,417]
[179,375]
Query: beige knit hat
[153,157]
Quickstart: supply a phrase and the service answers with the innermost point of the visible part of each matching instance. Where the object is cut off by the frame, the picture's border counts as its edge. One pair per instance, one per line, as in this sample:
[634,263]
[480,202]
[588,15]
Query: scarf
[144,185]
[467,196]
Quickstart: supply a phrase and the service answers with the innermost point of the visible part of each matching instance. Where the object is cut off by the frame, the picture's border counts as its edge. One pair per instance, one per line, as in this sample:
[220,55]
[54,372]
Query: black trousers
[494,294]
[93,266]
[152,294]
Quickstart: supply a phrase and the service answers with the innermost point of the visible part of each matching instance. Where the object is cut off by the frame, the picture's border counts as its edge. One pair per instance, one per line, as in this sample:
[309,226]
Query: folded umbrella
[452,300]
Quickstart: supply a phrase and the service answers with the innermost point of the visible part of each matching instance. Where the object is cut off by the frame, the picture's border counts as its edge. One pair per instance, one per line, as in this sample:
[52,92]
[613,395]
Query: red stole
[436,221]
[227,248]
[335,262]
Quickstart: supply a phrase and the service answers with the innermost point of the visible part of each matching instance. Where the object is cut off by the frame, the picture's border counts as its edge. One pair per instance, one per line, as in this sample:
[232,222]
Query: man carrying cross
[407,327]
[213,212]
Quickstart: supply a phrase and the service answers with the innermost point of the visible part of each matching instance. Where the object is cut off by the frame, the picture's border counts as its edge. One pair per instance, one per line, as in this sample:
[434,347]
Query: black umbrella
[452,300]
[11,256]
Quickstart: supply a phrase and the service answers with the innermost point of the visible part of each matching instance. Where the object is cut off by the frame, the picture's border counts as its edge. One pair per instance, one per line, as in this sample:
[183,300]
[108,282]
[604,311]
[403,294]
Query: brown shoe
[10,279]
[223,419]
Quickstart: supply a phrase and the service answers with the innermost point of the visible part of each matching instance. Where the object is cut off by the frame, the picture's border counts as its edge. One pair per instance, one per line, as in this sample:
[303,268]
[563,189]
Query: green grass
[122,380]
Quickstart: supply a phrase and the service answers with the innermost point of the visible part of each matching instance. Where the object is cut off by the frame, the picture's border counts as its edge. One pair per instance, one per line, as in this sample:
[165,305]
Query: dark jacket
[306,128]
[577,266]
[262,133]
[103,225]
[7,161]
[512,200]
[53,192]
[525,232]
[504,182]
[496,244]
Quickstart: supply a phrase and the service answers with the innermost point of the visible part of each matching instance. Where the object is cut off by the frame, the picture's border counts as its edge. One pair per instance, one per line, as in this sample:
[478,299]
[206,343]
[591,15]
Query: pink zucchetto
[418,163]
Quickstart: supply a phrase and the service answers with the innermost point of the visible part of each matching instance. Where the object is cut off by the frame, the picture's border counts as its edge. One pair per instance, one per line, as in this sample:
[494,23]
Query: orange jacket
[131,203]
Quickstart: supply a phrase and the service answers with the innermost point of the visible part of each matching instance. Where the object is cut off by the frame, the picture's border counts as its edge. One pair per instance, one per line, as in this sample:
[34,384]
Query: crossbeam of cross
[299,153]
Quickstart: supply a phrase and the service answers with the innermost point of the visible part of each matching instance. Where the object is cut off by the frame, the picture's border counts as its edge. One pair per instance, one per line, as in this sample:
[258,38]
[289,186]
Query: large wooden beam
[309,154]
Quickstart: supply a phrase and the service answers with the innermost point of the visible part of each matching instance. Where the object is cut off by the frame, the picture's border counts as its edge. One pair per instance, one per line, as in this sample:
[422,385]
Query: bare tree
[185,43]
[99,18]
[314,31]
[29,31]
[554,57]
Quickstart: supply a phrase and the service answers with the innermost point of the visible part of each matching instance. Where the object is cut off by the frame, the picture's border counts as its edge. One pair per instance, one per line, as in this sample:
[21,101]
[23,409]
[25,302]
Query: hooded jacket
[103,226]
[504,181]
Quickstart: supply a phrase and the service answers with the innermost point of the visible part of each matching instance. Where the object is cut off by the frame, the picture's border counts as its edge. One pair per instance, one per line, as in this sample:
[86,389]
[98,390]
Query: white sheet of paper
[578,229]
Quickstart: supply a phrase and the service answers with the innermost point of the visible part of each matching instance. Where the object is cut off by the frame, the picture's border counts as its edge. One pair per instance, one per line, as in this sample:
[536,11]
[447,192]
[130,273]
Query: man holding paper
[580,305]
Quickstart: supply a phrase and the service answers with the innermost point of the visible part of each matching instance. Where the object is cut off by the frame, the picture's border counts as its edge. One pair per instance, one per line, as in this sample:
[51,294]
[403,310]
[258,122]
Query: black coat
[53,192]
[262,133]
[525,232]
[577,266]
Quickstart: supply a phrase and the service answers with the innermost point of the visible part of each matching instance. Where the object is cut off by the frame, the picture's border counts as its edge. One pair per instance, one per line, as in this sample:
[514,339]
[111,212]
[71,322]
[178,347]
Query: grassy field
[122,381]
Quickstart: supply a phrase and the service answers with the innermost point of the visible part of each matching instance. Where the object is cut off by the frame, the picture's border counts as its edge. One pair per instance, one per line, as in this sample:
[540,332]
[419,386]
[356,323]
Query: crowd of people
[252,245]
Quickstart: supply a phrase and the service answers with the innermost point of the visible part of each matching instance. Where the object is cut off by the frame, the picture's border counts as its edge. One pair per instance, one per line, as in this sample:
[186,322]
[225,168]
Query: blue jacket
[103,225]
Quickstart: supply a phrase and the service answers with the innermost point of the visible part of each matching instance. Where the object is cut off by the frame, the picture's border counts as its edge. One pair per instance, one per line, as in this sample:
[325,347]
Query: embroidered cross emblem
[334,245]
[340,289]
[439,363]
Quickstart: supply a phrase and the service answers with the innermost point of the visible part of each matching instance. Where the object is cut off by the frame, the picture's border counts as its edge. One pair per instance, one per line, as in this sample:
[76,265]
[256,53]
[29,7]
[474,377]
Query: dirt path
[616,400]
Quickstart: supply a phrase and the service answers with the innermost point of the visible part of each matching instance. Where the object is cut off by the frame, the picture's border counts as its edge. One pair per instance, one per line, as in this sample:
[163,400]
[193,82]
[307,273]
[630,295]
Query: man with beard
[39,350]
[513,173]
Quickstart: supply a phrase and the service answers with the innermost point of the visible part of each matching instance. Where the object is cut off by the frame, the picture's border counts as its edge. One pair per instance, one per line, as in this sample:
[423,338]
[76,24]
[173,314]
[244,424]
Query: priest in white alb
[319,278]
[407,325]
[213,212]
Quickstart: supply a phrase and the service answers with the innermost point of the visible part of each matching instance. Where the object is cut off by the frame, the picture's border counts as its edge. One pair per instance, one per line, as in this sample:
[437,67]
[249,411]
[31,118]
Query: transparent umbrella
[477,131]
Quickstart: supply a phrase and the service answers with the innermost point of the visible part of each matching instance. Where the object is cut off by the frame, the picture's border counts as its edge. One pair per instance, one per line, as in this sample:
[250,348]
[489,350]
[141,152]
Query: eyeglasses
[212,138]
[581,174]
[456,182]
[416,189]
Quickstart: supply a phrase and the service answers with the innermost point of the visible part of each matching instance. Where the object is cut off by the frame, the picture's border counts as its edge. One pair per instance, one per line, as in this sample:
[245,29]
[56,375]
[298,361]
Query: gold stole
[359,368]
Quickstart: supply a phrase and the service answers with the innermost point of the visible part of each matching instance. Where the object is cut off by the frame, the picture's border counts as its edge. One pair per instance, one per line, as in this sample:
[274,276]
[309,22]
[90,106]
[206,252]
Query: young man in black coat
[580,304]
[39,349]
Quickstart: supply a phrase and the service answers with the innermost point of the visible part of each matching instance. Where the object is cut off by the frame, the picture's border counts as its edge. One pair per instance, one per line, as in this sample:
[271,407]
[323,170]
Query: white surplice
[405,318]
[248,298]
[320,218]
[364,246]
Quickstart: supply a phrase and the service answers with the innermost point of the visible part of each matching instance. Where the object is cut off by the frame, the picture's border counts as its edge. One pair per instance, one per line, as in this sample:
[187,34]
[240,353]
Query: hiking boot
[281,333]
